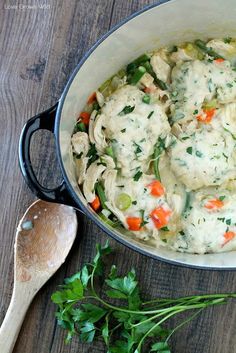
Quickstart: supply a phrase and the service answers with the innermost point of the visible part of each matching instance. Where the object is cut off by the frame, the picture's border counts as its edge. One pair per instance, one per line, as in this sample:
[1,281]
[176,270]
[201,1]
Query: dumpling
[133,128]
[209,224]
[196,82]
[204,158]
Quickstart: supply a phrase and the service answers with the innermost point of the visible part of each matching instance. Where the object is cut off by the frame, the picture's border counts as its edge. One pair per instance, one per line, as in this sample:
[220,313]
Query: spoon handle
[21,298]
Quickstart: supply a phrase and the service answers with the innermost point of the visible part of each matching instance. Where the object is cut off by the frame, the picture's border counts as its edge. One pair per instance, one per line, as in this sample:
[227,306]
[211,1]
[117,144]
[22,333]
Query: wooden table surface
[39,49]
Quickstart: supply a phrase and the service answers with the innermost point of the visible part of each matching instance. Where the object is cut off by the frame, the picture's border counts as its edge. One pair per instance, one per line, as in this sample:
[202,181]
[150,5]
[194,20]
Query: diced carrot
[160,217]
[96,204]
[151,89]
[157,188]
[134,223]
[214,204]
[228,236]
[210,113]
[91,98]
[147,90]
[207,115]
[219,60]
[84,117]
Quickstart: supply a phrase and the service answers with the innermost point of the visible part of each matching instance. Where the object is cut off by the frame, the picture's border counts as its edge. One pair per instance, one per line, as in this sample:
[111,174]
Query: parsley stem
[176,308]
[115,328]
[195,298]
[151,318]
[161,302]
[183,323]
[155,326]
[159,312]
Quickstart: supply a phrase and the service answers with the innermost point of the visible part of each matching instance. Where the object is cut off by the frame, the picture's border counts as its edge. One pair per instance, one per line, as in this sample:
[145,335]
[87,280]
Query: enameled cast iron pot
[168,22]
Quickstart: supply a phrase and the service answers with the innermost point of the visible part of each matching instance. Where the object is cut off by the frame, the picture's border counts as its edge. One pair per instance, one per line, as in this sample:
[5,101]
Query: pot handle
[44,120]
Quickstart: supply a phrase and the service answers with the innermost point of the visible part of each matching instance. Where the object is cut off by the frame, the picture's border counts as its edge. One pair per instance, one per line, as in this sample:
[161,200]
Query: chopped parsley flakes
[138,175]
[127,109]
[149,115]
[189,150]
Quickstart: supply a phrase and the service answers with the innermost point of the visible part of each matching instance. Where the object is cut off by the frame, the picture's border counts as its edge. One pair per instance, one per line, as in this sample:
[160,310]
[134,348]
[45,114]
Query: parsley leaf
[122,287]
[87,332]
[222,197]
[228,221]
[105,330]
[126,110]
[189,150]
[138,149]
[160,347]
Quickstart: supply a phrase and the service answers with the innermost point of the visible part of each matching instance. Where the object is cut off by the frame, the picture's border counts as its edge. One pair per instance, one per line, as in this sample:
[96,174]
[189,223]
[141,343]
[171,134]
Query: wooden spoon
[44,237]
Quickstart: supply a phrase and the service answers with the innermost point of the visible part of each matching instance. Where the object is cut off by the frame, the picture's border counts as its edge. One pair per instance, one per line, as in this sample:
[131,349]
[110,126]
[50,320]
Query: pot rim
[75,196]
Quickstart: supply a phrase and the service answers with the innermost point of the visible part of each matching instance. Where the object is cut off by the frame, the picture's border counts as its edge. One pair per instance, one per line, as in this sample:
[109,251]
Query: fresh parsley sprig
[130,325]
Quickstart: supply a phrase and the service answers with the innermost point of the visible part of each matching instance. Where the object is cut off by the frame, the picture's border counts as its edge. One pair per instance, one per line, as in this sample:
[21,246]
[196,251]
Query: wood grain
[39,49]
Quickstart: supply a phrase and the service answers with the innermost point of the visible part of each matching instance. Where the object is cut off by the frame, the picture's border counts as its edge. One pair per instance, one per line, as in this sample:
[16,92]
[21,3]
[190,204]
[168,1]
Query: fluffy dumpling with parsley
[196,83]
[203,158]
[209,223]
[141,205]
[132,126]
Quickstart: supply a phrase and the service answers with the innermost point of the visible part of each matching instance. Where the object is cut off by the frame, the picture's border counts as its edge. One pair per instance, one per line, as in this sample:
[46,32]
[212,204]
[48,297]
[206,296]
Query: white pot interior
[169,23]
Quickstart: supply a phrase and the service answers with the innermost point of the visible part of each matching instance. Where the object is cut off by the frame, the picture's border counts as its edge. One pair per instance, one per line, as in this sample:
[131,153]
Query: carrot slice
[219,60]
[160,217]
[134,223]
[157,188]
[96,204]
[228,236]
[84,117]
[91,98]
[214,204]
[207,115]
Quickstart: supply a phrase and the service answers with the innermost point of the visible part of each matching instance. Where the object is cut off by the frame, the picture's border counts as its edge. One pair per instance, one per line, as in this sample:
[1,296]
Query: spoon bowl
[44,237]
